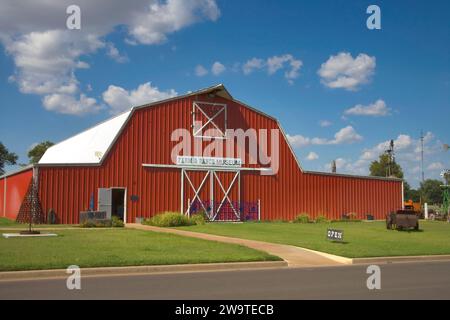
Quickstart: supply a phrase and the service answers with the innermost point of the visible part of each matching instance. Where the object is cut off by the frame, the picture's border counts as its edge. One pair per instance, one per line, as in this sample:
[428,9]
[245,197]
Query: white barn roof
[88,147]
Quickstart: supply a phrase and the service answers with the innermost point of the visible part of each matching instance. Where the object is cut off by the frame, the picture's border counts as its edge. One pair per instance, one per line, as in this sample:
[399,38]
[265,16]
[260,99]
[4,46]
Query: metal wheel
[388,224]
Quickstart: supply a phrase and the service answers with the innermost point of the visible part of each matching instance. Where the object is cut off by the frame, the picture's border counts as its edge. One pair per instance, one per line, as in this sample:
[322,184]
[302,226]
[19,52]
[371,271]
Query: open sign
[335,235]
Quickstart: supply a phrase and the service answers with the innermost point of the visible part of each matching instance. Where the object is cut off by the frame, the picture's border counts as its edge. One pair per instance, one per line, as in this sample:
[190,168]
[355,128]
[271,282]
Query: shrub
[201,213]
[116,222]
[87,224]
[169,219]
[352,216]
[198,219]
[302,218]
[91,223]
[321,219]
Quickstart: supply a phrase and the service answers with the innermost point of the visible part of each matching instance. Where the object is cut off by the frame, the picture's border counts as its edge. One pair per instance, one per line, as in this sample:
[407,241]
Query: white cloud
[344,71]
[152,25]
[69,104]
[252,65]
[114,54]
[403,142]
[407,154]
[312,156]
[146,21]
[274,64]
[341,164]
[120,99]
[347,135]
[45,65]
[47,55]
[376,109]
[325,123]
[436,166]
[201,71]
[298,141]
[46,61]
[217,68]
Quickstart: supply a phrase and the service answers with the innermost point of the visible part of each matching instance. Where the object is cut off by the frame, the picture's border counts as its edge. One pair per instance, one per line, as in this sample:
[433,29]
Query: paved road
[426,280]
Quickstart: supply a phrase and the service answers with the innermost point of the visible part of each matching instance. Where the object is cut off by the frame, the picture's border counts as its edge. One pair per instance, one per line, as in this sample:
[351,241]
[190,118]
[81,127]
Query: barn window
[209,120]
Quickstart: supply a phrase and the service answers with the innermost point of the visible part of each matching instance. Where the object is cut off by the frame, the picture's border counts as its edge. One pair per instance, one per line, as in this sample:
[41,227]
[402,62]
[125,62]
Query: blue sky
[397,79]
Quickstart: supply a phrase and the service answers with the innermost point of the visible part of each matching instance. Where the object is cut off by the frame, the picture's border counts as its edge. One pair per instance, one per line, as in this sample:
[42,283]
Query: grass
[7,223]
[363,239]
[10,224]
[118,247]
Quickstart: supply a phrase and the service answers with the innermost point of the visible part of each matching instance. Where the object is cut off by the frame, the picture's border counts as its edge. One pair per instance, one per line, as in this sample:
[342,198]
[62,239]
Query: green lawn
[9,224]
[117,247]
[363,239]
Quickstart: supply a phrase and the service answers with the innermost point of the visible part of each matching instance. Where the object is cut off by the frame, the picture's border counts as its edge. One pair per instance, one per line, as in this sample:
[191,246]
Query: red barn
[201,151]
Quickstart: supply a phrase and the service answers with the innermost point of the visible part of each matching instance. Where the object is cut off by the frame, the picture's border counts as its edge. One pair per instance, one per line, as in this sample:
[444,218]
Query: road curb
[380,260]
[400,259]
[339,259]
[141,270]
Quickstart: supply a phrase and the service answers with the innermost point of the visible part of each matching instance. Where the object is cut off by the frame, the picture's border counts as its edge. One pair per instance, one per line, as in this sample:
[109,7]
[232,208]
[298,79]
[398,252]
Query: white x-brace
[212,174]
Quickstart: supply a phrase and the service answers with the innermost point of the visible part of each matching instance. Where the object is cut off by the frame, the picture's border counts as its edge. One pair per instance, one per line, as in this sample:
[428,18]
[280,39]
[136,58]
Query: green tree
[431,191]
[411,194]
[6,158]
[384,165]
[38,151]
[447,177]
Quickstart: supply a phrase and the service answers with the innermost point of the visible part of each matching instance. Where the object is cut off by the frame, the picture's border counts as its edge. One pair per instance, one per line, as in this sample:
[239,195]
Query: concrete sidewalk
[294,256]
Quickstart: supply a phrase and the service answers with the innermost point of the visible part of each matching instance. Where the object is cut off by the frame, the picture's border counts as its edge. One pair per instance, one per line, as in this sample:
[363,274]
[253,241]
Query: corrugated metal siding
[16,188]
[147,139]
[2,197]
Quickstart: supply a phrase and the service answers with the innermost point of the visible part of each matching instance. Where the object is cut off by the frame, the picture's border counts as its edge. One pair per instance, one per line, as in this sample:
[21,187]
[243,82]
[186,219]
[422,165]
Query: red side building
[173,155]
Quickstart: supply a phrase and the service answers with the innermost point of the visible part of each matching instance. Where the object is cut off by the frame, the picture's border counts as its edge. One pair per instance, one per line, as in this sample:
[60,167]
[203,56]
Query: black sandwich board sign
[335,235]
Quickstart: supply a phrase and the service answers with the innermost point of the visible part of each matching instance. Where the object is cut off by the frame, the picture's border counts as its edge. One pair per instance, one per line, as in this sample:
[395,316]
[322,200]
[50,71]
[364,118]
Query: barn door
[217,193]
[105,201]
[226,189]
[195,192]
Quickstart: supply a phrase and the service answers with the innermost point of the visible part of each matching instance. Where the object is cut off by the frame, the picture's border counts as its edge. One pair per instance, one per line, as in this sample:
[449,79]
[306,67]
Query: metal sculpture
[30,210]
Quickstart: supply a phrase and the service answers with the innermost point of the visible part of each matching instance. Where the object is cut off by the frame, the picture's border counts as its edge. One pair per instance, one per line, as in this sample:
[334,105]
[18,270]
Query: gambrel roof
[91,146]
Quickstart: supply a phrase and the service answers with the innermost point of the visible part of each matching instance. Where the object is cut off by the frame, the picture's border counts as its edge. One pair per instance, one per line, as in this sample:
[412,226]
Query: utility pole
[422,152]
[333,166]
[391,154]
